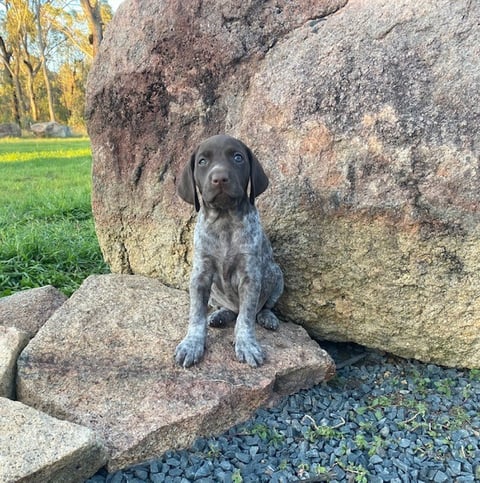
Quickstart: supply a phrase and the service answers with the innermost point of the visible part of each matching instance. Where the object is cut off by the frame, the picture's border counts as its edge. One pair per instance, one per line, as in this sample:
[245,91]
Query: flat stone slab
[35,447]
[28,310]
[105,360]
[12,341]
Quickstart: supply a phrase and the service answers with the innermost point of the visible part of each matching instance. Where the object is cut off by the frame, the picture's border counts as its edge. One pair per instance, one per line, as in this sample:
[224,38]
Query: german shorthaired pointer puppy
[233,265]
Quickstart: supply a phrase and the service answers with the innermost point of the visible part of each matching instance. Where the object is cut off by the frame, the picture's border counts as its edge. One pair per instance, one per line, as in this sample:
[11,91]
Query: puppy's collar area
[238,209]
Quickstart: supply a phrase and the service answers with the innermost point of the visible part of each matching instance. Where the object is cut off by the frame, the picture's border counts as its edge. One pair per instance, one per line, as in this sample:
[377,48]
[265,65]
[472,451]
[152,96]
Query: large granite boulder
[365,115]
[105,360]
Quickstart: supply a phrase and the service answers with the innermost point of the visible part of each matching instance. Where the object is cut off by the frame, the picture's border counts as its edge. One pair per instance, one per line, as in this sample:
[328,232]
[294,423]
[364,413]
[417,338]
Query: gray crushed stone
[381,419]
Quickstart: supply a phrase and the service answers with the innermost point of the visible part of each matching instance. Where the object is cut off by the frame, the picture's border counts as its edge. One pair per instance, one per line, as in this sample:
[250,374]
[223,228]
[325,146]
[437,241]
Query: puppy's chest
[228,243]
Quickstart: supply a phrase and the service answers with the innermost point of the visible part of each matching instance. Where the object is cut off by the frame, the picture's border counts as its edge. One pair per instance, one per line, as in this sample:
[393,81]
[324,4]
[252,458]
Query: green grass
[47,233]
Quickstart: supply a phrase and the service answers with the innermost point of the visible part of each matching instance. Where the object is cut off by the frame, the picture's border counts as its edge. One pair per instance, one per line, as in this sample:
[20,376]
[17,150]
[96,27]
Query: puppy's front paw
[189,351]
[266,318]
[248,350]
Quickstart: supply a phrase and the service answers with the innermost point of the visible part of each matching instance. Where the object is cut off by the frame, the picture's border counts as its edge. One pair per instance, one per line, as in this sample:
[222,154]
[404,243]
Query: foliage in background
[47,234]
[46,48]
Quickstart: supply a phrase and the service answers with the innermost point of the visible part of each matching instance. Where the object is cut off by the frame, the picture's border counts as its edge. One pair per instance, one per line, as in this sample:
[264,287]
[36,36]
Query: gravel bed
[381,419]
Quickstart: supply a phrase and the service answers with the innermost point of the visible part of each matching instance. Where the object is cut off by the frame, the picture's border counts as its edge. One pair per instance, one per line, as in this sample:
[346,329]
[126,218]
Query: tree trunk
[43,60]
[31,90]
[18,90]
[91,8]
[6,56]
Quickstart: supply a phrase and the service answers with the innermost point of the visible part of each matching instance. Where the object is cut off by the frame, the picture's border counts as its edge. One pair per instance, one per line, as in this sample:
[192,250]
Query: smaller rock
[225,465]
[12,341]
[50,130]
[36,447]
[10,130]
[440,477]
[385,431]
[404,443]
[243,457]
[141,474]
[205,470]
[459,434]
[28,310]
[400,465]
[376,460]
[455,467]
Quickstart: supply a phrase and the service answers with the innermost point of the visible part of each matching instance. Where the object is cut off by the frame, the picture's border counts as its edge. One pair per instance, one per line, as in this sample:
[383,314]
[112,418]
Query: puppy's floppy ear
[186,189]
[258,178]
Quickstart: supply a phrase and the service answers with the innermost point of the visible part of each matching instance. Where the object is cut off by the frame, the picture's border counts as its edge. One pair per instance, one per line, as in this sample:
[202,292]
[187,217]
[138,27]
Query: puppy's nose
[220,177]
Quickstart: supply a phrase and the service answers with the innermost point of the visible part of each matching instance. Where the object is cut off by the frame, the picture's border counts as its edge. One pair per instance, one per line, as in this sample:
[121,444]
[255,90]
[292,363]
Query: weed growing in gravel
[322,432]
[315,432]
[237,476]
[474,374]
[370,443]
[265,433]
[460,418]
[444,386]
[213,451]
[320,470]
[422,383]
[360,473]
[302,469]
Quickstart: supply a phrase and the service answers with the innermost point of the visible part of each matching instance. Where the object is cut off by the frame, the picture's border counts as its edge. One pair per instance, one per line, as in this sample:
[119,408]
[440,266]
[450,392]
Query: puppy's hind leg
[221,317]
[266,318]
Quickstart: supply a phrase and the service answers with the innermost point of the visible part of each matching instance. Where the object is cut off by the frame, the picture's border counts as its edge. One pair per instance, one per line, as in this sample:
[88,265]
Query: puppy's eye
[202,162]
[238,158]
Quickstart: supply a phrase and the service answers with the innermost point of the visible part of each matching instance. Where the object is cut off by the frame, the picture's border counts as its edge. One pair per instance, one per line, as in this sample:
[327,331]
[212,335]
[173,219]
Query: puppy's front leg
[191,349]
[247,349]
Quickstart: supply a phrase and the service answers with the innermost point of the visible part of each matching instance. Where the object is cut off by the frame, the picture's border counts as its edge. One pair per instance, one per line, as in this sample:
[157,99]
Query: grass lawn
[47,233]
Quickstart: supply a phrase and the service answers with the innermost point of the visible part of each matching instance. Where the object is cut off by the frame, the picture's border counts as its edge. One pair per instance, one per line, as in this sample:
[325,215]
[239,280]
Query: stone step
[105,360]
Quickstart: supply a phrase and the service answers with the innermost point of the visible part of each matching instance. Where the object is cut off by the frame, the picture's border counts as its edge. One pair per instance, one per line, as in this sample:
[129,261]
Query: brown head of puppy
[222,169]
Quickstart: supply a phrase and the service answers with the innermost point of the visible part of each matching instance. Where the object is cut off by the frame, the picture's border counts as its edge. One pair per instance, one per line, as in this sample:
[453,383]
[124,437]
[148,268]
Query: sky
[114,4]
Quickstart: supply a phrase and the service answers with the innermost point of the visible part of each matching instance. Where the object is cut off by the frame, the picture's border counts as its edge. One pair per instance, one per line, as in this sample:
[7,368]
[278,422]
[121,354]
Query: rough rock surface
[105,360]
[35,447]
[30,309]
[12,341]
[50,130]
[365,115]
[10,130]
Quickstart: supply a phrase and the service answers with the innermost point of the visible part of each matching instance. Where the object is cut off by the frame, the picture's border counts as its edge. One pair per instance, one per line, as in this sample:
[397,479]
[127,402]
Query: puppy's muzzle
[219,178]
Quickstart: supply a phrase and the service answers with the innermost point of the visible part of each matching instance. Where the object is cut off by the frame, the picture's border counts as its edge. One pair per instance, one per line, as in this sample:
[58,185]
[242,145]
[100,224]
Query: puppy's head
[221,169]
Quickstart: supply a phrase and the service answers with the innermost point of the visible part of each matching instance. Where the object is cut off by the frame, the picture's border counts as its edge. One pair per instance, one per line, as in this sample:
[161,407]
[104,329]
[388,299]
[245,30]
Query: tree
[72,77]
[12,88]
[91,9]
[31,63]
[15,21]
[43,58]
[82,26]
[54,38]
